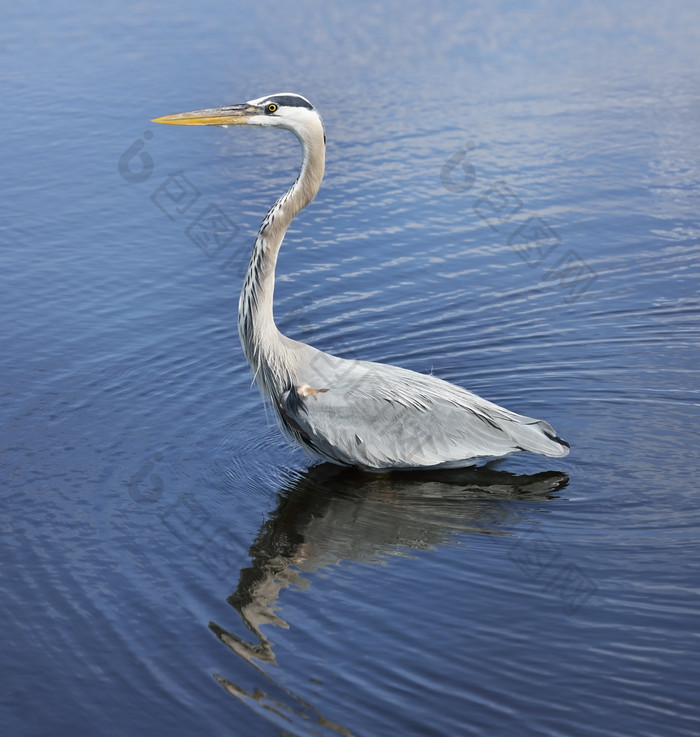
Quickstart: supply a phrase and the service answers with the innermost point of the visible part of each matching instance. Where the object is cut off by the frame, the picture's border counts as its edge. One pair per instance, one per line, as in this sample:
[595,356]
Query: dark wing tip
[561,441]
[557,439]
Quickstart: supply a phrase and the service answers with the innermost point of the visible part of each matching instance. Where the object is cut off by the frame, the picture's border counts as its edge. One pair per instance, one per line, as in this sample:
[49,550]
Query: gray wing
[378,416]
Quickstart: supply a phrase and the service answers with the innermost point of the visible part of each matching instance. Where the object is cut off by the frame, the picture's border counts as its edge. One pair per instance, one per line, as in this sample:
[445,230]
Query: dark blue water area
[511,202]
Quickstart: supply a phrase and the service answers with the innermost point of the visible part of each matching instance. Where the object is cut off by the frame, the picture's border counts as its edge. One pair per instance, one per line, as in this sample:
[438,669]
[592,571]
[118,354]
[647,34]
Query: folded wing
[377,416]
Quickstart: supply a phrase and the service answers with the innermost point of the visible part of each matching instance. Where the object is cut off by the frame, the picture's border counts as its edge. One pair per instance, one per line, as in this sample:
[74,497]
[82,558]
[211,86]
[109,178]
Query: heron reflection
[330,515]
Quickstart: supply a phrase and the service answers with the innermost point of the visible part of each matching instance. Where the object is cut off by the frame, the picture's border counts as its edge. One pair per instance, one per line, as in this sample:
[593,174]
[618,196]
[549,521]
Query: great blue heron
[373,416]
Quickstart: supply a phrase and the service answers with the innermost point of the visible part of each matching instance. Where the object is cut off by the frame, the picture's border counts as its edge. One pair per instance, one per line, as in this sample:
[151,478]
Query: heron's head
[282,110]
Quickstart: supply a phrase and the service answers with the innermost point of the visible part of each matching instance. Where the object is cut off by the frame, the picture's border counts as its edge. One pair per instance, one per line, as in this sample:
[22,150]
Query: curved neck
[262,343]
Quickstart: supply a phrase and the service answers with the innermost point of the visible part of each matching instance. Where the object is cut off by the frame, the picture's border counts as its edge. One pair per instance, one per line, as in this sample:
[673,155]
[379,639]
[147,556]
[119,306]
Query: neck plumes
[269,354]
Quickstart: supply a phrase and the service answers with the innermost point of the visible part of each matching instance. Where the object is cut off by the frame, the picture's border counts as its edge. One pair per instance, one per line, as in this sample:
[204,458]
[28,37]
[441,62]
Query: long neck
[265,348]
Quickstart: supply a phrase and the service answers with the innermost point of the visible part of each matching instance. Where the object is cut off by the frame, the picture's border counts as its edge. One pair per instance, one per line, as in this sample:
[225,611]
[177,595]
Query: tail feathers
[538,436]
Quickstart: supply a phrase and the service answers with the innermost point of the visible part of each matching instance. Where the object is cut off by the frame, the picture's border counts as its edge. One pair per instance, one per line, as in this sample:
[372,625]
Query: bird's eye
[271,108]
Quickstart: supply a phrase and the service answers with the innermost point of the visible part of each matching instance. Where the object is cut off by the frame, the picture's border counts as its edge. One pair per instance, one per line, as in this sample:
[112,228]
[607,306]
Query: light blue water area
[511,202]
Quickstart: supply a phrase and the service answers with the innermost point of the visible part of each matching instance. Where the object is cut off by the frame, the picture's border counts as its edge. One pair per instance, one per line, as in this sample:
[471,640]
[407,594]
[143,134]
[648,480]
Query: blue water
[512,202]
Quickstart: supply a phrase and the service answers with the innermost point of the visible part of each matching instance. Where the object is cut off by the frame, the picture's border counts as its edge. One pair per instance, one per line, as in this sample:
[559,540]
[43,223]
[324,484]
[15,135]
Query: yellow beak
[227,115]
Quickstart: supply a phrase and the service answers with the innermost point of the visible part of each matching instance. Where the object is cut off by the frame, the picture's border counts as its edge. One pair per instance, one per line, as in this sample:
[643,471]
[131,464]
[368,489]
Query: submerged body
[353,413]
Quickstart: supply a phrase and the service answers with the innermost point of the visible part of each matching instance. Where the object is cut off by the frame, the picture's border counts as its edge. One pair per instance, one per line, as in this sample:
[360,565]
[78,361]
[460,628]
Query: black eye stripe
[290,101]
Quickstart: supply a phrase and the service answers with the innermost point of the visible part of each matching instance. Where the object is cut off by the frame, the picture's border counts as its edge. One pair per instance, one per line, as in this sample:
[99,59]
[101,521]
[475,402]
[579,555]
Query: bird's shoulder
[329,383]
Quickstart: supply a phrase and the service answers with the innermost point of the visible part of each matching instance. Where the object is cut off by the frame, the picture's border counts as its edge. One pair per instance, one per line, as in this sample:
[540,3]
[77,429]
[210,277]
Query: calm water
[170,565]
